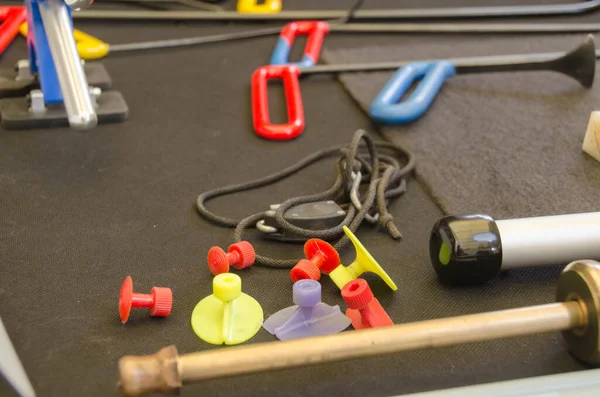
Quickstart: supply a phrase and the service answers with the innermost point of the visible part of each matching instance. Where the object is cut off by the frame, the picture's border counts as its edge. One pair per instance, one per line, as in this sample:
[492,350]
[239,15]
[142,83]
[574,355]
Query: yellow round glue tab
[228,316]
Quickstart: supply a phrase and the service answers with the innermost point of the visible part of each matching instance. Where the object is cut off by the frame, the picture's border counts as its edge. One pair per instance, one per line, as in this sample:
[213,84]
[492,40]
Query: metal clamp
[260,103]
[316,31]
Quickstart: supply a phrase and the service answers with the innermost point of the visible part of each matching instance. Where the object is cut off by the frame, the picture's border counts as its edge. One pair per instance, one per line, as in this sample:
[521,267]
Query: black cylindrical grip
[466,250]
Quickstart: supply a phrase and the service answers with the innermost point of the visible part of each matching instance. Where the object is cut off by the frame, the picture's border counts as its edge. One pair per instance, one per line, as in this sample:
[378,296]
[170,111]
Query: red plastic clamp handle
[260,103]
[12,17]
[316,31]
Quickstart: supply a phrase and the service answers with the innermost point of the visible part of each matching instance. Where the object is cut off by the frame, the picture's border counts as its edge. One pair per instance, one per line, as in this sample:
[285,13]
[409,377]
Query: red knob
[159,300]
[320,257]
[364,309]
[240,255]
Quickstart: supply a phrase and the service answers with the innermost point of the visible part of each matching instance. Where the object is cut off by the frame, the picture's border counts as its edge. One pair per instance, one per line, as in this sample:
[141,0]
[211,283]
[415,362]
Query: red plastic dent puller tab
[239,255]
[364,310]
[320,257]
[316,31]
[159,300]
[260,102]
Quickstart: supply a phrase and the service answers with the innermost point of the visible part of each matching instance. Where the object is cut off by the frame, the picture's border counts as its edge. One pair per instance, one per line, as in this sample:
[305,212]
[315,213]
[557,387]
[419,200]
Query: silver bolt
[94,94]
[23,70]
[37,101]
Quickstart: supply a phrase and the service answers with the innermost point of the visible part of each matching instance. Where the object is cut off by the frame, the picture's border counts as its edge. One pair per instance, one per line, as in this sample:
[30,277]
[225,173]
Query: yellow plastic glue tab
[227,316]
[88,47]
[251,7]
[364,262]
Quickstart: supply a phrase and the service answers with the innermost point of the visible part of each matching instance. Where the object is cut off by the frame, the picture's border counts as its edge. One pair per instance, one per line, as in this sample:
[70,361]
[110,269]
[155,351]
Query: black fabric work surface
[506,144]
[80,212]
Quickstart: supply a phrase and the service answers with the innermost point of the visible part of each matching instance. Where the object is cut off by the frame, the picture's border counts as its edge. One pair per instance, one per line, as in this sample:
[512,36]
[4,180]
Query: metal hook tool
[317,30]
[580,64]
[90,48]
[194,4]
[582,7]
[11,367]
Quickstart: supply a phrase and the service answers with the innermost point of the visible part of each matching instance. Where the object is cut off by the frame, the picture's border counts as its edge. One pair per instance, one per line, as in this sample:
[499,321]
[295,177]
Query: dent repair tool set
[54,88]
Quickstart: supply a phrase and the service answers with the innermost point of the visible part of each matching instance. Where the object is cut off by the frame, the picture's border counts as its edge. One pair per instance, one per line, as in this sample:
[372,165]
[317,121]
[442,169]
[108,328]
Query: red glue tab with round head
[217,261]
[322,254]
[245,255]
[159,301]
[364,310]
[357,294]
[163,302]
[260,102]
[240,256]
[125,299]
[305,270]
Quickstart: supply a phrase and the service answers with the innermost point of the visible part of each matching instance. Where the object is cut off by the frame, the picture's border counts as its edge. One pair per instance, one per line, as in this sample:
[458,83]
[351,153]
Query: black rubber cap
[466,250]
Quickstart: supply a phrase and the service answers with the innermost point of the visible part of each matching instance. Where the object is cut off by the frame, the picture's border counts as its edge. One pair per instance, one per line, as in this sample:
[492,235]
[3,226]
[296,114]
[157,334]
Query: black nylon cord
[382,172]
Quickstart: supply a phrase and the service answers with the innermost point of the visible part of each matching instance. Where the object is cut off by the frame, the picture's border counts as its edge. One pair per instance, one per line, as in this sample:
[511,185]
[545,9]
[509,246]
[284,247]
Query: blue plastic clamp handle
[281,54]
[386,109]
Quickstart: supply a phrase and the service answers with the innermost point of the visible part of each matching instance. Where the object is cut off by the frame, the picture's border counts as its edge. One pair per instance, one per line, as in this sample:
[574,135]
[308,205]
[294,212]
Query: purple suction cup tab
[307,293]
[309,317]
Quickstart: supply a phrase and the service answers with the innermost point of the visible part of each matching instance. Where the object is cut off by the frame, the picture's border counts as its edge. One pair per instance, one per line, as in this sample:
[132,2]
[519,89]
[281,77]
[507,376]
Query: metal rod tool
[317,30]
[11,367]
[580,64]
[96,49]
[194,4]
[584,53]
[576,314]
[403,13]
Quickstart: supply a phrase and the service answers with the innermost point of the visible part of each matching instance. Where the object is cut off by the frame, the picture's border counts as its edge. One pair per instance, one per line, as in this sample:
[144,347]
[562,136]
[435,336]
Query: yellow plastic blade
[228,315]
[364,262]
[251,7]
[88,47]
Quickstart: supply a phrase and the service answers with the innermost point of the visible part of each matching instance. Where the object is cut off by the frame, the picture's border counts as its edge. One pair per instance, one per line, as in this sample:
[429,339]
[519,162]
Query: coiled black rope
[381,172]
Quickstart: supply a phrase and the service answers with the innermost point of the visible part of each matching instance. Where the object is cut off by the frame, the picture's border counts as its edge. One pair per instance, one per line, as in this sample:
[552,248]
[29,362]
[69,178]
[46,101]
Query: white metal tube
[73,82]
[549,240]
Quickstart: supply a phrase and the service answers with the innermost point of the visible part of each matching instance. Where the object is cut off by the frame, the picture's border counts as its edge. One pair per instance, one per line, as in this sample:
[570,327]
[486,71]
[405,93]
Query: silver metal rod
[549,240]
[426,13]
[458,62]
[466,28]
[200,5]
[150,45]
[366,28]
[73,82]
[11,367]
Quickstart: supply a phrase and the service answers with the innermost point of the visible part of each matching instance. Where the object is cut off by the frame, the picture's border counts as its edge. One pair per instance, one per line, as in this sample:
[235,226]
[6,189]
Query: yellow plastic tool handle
[251,7]
[88,47]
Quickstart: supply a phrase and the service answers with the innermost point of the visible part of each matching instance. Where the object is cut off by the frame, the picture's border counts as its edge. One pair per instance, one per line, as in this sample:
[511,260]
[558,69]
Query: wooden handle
[145,374]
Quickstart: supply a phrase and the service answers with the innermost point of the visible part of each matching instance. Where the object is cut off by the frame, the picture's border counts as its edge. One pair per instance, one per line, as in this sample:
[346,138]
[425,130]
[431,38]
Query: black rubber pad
[96,74]
[15,114]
